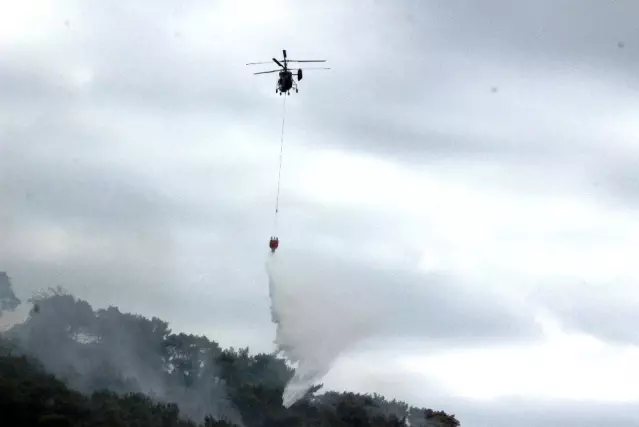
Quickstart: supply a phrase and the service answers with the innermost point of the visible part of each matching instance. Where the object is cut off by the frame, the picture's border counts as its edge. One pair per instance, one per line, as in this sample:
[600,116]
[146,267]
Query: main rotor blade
[265,72]
[311,68]
[306,60]
[278,62]
[255,63]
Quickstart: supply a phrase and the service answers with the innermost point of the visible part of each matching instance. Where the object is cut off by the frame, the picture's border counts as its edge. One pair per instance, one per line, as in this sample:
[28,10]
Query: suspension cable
[279,176]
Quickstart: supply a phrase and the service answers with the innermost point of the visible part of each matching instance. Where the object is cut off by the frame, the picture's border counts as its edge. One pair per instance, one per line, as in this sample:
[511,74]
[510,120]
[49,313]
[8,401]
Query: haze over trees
[70,365]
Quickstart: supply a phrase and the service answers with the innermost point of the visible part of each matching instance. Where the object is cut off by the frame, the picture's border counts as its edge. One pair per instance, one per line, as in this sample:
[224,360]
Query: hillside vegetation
[70,365]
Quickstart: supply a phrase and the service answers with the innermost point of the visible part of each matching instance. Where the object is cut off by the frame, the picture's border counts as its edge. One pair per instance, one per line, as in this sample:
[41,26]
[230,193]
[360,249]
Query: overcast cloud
[473,166]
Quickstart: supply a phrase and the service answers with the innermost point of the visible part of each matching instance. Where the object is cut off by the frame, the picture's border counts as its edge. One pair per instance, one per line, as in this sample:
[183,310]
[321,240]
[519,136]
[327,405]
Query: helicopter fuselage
[285,82]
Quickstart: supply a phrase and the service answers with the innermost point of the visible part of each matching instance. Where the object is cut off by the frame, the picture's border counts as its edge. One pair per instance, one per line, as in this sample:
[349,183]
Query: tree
[8,300]
[113,369]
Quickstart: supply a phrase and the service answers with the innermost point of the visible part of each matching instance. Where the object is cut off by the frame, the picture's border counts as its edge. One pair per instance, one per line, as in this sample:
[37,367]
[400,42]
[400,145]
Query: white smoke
[318,317]
[8,319]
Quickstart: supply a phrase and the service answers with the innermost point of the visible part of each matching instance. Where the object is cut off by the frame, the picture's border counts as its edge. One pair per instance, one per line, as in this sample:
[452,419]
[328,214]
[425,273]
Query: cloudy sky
[472,164]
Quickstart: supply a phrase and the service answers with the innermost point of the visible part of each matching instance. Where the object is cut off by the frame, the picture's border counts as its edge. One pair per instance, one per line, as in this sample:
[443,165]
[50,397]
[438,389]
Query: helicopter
[285,82]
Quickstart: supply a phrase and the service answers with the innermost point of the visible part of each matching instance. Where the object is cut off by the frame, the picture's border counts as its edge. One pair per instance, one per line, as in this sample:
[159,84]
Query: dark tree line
[68,365]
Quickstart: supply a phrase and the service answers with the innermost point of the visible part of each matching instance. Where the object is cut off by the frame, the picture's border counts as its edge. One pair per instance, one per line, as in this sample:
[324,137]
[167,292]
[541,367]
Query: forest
[70,365]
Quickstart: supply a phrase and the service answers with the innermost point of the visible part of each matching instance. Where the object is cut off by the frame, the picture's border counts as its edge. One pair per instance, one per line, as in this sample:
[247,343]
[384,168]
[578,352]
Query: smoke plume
[99,349]
[318,317]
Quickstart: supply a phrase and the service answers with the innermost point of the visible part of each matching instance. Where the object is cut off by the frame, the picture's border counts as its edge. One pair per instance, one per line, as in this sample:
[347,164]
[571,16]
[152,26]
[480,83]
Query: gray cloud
[606,310]
[423,391]
[617,180]
[556,81]
[541,413]
[564,31]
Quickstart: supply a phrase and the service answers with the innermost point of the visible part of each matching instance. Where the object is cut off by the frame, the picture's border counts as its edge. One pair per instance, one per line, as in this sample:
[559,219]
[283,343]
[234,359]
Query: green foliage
[440,418]
[69,365]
